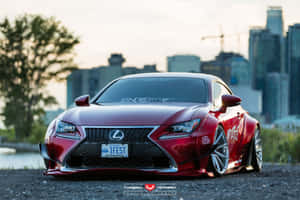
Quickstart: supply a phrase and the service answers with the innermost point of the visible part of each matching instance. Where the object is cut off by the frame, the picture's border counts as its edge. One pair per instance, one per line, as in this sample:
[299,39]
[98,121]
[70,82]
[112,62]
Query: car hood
[113,115]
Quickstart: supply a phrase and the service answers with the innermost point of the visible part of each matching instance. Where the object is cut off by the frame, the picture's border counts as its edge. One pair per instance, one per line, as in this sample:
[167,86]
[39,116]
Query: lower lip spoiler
[70,171]
[168,170]
[122,171]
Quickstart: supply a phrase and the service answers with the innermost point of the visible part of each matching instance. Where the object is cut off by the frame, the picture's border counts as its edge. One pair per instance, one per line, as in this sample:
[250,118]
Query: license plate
[114,150]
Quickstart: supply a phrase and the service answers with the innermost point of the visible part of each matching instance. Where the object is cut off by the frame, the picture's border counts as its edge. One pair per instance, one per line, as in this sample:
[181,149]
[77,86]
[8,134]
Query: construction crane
[222,36]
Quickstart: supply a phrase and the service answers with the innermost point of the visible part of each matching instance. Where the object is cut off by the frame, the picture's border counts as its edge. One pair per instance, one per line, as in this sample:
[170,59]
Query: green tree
[33,50]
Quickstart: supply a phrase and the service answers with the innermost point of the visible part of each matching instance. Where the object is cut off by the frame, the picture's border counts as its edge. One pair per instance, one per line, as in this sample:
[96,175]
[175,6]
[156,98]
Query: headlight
[63,127]
[66,130]
[183,129]
[50,131]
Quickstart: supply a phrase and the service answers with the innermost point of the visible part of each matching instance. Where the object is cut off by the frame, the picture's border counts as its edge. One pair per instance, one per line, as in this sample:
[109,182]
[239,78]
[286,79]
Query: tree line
[33,51]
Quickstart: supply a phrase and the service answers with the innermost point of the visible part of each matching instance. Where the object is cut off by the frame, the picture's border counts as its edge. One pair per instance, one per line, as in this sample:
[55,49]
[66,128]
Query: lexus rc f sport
[180,124]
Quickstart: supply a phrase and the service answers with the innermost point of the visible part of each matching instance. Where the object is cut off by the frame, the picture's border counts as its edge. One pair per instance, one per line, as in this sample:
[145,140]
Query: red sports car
[158,123]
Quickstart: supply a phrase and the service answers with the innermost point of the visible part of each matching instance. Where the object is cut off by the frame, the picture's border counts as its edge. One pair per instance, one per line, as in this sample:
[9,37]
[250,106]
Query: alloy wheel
[220,155]
[258,150]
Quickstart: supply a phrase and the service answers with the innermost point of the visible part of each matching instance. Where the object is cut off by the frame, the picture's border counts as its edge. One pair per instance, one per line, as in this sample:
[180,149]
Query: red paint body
[187,152]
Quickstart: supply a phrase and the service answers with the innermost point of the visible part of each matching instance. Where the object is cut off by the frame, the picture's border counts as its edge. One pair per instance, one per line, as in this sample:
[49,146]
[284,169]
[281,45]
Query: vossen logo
[116,135]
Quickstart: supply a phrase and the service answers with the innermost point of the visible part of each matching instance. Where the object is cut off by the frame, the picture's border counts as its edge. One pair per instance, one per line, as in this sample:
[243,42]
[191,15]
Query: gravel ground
[274,182]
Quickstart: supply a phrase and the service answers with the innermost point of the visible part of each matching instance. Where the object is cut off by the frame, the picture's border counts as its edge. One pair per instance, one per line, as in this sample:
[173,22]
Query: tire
[46,163]
[218,161]
[256,158]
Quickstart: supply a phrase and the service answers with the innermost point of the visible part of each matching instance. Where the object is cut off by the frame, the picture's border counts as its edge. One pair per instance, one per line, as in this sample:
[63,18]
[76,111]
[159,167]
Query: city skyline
[148,32]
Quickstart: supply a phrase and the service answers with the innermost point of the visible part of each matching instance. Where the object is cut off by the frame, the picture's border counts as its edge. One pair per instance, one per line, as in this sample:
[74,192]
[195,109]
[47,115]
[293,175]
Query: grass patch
[37,134]
[280,146]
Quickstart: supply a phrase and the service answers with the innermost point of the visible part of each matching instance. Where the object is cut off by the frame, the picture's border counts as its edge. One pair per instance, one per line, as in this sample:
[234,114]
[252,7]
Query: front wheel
[220,156]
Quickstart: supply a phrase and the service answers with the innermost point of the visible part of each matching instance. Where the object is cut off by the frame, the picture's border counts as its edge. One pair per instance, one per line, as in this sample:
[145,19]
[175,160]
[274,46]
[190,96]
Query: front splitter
[123,171]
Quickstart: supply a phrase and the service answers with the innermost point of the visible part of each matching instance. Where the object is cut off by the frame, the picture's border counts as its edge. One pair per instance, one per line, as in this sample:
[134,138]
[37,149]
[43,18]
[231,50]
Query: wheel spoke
[259,155]
[218,138]
[259,150]
[220,161]
[220,154]
[222,146]
[258,140]
[216,163]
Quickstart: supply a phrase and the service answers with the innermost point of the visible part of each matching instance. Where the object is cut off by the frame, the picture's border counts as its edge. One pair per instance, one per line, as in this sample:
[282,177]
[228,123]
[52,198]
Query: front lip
[171,169]
[122,171]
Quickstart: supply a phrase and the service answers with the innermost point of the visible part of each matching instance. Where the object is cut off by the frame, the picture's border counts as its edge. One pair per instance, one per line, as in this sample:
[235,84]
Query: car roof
[174,74]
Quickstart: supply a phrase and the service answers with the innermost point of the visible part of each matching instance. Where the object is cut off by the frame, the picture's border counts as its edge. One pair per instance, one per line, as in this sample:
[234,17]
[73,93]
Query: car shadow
[124,177]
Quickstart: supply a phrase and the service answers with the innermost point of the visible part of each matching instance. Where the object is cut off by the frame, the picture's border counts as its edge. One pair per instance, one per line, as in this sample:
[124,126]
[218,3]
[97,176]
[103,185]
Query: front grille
[132,135]
[142,152]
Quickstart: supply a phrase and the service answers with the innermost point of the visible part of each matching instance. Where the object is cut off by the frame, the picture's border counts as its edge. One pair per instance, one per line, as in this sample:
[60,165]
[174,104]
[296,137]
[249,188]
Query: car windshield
[155,90]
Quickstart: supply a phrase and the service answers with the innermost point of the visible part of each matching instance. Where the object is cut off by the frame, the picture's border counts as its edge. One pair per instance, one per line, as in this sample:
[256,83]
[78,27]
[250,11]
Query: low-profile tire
[256,158]
[46,163]
[218,160]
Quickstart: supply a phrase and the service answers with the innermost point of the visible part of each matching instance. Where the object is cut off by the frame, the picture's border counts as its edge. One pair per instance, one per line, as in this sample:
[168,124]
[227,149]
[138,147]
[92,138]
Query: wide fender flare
[250,125]
[206,131]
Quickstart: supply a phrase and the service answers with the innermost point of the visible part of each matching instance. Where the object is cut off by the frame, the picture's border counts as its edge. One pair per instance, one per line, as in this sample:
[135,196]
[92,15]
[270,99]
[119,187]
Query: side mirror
[231,100]
[83,100]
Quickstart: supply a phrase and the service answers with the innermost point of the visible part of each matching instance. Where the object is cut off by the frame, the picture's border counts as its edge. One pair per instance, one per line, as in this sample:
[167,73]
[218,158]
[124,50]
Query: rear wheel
[220,156]
[256,160]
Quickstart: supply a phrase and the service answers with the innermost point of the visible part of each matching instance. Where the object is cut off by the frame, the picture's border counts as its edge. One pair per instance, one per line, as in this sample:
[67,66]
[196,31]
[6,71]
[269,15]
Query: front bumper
[180,154]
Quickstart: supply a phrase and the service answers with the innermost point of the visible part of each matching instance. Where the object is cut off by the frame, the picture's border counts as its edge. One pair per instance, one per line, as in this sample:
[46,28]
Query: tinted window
[156,89]
[218,92]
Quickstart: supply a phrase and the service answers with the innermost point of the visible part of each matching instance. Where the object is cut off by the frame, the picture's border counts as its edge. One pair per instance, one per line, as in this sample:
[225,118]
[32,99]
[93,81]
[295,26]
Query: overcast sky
[145,32]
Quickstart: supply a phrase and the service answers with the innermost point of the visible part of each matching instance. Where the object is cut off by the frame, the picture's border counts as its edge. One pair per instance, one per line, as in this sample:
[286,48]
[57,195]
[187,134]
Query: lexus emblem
[116,135]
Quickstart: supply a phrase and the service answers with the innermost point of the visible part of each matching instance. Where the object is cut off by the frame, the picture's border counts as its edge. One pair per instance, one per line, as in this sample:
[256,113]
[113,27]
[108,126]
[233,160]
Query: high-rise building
[275,20]
[251,99]
[265,56]
[275,96]
[231,67]
[275,24]
[90,81]
[267,65]
[293,62]
[240,72]
[252,37]
[284,94]
[77,85]
[217,68]
[183,63]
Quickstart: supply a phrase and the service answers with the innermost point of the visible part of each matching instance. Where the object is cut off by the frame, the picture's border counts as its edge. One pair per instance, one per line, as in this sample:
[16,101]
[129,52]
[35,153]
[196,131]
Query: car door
[231,120]
[235,134]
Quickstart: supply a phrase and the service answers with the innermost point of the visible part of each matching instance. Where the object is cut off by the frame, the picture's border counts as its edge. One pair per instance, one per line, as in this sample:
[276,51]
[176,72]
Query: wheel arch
[250,125]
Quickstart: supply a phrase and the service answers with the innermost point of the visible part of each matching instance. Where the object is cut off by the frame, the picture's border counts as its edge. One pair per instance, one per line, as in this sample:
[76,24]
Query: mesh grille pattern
[132,135]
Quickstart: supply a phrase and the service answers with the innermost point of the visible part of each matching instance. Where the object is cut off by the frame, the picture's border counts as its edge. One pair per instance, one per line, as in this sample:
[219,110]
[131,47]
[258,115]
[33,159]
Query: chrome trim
[167,137]
[67,136]
[172,168]
[119,126]
[167,170]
